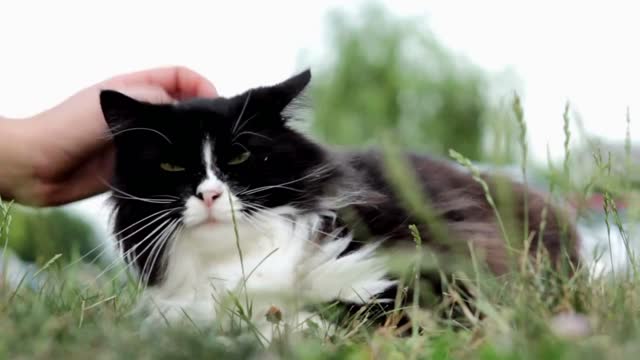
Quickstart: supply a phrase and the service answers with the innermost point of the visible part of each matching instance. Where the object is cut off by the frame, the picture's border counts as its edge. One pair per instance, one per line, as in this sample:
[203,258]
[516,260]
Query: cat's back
[436,177]
[459,200]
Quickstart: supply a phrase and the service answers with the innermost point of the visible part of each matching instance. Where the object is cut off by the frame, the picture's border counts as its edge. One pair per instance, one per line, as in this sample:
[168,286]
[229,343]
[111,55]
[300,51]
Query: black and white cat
[210,192]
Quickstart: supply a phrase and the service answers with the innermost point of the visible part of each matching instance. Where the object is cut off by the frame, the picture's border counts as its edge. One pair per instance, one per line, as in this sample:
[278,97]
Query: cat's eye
[171,167]
[240,158]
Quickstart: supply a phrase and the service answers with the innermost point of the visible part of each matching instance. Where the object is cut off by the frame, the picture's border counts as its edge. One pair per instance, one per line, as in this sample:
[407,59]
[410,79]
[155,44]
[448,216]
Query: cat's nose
[209,197]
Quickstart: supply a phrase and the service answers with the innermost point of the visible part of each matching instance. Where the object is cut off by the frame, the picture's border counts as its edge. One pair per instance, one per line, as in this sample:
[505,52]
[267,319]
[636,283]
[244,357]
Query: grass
[526,315]
[63,319]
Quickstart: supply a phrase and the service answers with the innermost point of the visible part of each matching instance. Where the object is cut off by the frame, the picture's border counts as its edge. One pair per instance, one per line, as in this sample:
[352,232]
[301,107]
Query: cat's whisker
[127,253]
[169,234]
[157,250]
[162,214]
[144,219]
[174,232]
[251,133]
[163,233]
[173,243]
[245,188]
[317,172]
[125,256]
[255,223]
[167,196]
[152,243]
[265,188]
[309,240]
[265,212]
[114,134]
[264,209]
[260,197]
[129,196]
[159,217]
[105,246]
[265,216]
[152,201]
[247,121]
[244,107]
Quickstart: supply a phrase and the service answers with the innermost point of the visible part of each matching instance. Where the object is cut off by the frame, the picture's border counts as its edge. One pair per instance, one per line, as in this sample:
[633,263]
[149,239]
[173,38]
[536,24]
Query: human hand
[63,155]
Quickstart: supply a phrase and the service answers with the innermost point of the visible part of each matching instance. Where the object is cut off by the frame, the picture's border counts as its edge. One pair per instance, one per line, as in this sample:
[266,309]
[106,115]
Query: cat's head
[203,157]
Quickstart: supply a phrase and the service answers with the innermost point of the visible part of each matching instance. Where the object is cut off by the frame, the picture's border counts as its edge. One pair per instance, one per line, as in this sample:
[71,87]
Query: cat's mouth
[205,225]
[210,220]
[198,215]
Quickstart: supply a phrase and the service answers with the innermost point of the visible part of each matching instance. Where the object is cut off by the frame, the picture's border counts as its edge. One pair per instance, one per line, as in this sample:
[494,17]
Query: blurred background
[439,74]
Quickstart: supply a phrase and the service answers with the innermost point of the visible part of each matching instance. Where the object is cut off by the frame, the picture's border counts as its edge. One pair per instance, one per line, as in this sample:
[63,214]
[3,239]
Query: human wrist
[6,157]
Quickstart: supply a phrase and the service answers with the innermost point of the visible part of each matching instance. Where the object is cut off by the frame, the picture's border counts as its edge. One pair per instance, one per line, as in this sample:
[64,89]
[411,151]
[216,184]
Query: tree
[390,74]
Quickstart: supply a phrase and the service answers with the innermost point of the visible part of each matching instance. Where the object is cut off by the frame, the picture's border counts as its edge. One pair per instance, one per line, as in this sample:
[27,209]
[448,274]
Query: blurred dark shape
[388,73]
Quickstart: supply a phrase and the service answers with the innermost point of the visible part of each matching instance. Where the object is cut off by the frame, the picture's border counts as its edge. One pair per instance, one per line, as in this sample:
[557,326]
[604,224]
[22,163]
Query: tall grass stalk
[404,181]
[519,115]
[567,141]
[415,234]
[475,173]
[240,255]
[5,224]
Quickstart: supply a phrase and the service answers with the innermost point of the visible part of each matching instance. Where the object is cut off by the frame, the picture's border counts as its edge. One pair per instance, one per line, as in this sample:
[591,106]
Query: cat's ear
[288,90]
[119,110]
[277,97]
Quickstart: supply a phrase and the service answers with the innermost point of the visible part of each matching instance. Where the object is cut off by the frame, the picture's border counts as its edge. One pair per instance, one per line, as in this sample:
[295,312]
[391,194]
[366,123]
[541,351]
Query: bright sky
[585,52]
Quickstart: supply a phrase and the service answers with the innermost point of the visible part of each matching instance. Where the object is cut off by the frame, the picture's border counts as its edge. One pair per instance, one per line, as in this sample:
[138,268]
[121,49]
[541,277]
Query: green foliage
[390,73]
[37,235]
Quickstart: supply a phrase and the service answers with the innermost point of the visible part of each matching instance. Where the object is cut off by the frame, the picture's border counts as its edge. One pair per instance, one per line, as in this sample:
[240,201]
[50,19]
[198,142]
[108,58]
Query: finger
[191,84]
[178,81]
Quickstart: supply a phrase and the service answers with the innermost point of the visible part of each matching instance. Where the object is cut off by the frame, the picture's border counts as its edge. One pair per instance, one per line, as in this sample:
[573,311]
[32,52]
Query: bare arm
[62,154]
[16,163]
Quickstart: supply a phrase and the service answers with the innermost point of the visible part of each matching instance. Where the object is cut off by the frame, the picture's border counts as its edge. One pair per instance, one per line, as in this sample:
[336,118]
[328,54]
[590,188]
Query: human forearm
[16,161]
[33,160]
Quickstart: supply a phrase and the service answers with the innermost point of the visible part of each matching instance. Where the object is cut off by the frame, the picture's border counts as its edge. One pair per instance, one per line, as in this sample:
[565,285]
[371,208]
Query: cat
[210,191]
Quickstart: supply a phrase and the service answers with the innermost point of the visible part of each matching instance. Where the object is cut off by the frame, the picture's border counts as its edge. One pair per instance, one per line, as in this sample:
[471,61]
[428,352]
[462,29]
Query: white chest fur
[284,265]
